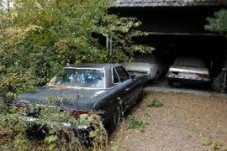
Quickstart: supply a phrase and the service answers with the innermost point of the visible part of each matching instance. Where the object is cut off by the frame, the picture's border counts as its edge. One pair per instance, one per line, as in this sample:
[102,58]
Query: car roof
[93,65]
[103,66]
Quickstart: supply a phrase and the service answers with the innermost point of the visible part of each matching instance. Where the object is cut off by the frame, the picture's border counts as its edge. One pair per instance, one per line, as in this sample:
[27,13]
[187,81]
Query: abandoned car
[148,65]
[188,70]
[104,89]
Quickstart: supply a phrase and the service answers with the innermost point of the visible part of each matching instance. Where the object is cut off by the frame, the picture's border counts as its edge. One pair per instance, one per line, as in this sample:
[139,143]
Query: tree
[38,37]
[218,22]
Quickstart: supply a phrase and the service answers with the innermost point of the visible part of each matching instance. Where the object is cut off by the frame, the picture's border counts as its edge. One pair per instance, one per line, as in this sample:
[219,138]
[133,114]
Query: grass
[155,103]
[134,123]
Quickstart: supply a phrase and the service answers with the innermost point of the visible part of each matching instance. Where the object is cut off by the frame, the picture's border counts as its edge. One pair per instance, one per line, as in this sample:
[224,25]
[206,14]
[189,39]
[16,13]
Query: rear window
[78,77]
[189,62]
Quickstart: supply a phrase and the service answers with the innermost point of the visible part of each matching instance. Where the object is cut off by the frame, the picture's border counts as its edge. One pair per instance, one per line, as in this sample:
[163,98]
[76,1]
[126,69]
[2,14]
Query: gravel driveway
[186,122]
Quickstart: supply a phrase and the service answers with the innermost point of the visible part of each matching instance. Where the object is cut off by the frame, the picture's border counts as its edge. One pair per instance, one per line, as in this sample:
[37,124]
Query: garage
[177,28]
[210,48]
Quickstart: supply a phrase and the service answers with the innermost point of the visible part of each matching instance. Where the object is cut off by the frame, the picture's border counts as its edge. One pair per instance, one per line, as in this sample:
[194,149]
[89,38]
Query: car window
[76,77]
[115,77]
[189,62]
[123,74]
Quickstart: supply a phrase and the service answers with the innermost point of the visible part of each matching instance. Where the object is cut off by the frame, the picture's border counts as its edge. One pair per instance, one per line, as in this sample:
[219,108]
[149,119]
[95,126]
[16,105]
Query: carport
[177,28]
[210,47]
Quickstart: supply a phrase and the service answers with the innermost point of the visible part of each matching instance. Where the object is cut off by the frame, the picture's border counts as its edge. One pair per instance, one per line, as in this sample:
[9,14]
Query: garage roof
[161,3]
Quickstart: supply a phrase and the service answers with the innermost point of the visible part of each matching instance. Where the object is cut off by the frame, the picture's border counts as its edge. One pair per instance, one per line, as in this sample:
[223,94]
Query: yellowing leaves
[62,45]
[16,35]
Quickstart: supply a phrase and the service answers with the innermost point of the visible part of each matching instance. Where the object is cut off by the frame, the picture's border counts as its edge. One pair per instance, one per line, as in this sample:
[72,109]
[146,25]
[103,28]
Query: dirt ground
[186,122]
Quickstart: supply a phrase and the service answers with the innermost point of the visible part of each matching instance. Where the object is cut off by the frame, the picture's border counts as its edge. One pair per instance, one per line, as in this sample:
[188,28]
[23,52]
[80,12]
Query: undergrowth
[134,123]
[51,130]
[217,145]
[155,103]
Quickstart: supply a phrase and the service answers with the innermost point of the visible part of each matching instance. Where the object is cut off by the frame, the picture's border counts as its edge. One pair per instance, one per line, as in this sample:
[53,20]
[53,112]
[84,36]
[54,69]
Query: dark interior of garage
[180,31]
[209,48]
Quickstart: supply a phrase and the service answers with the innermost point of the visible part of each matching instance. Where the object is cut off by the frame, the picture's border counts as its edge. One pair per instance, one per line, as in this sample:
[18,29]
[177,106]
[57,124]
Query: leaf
[218,22]
[50,139]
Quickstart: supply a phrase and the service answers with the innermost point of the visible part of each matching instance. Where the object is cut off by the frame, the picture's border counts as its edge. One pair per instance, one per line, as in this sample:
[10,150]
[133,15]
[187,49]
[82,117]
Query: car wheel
[117,117]
[116,120]
[155,79]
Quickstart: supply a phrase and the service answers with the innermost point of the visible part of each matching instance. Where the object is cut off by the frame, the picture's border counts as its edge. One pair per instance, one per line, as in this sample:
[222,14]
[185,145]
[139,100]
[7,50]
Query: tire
[155,79]
[116,120]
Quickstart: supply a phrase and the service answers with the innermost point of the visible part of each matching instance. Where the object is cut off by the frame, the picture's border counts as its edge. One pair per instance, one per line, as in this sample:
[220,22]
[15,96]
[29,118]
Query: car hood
[65,98]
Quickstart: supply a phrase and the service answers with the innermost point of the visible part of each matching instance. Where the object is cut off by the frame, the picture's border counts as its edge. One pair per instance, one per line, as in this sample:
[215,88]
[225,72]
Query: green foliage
[19,133]
[38,38]
[2,105]
[155,103]
[206,142]
[218,145]
[98,134]
[51,141]
[214,145]
[135,123]
[218,22]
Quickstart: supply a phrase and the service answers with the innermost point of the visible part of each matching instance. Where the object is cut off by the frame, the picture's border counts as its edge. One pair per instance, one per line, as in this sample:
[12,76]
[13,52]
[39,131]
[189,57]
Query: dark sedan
[104,89]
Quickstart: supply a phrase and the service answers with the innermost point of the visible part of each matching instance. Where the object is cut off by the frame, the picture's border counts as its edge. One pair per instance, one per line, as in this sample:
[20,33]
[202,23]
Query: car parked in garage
[188,70]
[149,65]
[104,89]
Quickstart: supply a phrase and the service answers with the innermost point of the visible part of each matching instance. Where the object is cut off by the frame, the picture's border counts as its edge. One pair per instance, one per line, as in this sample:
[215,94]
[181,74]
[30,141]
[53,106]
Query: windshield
[80,77]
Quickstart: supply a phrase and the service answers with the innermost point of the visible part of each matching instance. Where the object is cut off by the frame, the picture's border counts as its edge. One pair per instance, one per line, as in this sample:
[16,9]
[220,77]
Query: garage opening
[179,31]
[209,47]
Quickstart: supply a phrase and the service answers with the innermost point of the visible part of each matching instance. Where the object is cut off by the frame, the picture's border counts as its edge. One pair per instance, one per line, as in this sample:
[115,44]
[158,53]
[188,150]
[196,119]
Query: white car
[148,65]
[188,70]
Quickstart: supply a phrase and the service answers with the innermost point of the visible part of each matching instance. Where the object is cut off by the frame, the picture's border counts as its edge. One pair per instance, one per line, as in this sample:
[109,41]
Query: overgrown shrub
[52,130]
[35,45]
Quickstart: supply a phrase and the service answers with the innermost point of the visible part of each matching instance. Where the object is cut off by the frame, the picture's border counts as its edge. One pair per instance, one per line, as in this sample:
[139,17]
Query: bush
[50,131]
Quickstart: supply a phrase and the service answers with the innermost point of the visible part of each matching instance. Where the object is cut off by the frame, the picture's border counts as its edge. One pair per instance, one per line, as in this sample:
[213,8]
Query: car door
[130,86]
[113,98]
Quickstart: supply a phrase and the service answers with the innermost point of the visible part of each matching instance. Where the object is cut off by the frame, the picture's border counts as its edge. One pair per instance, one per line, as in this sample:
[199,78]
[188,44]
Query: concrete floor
[163,86]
